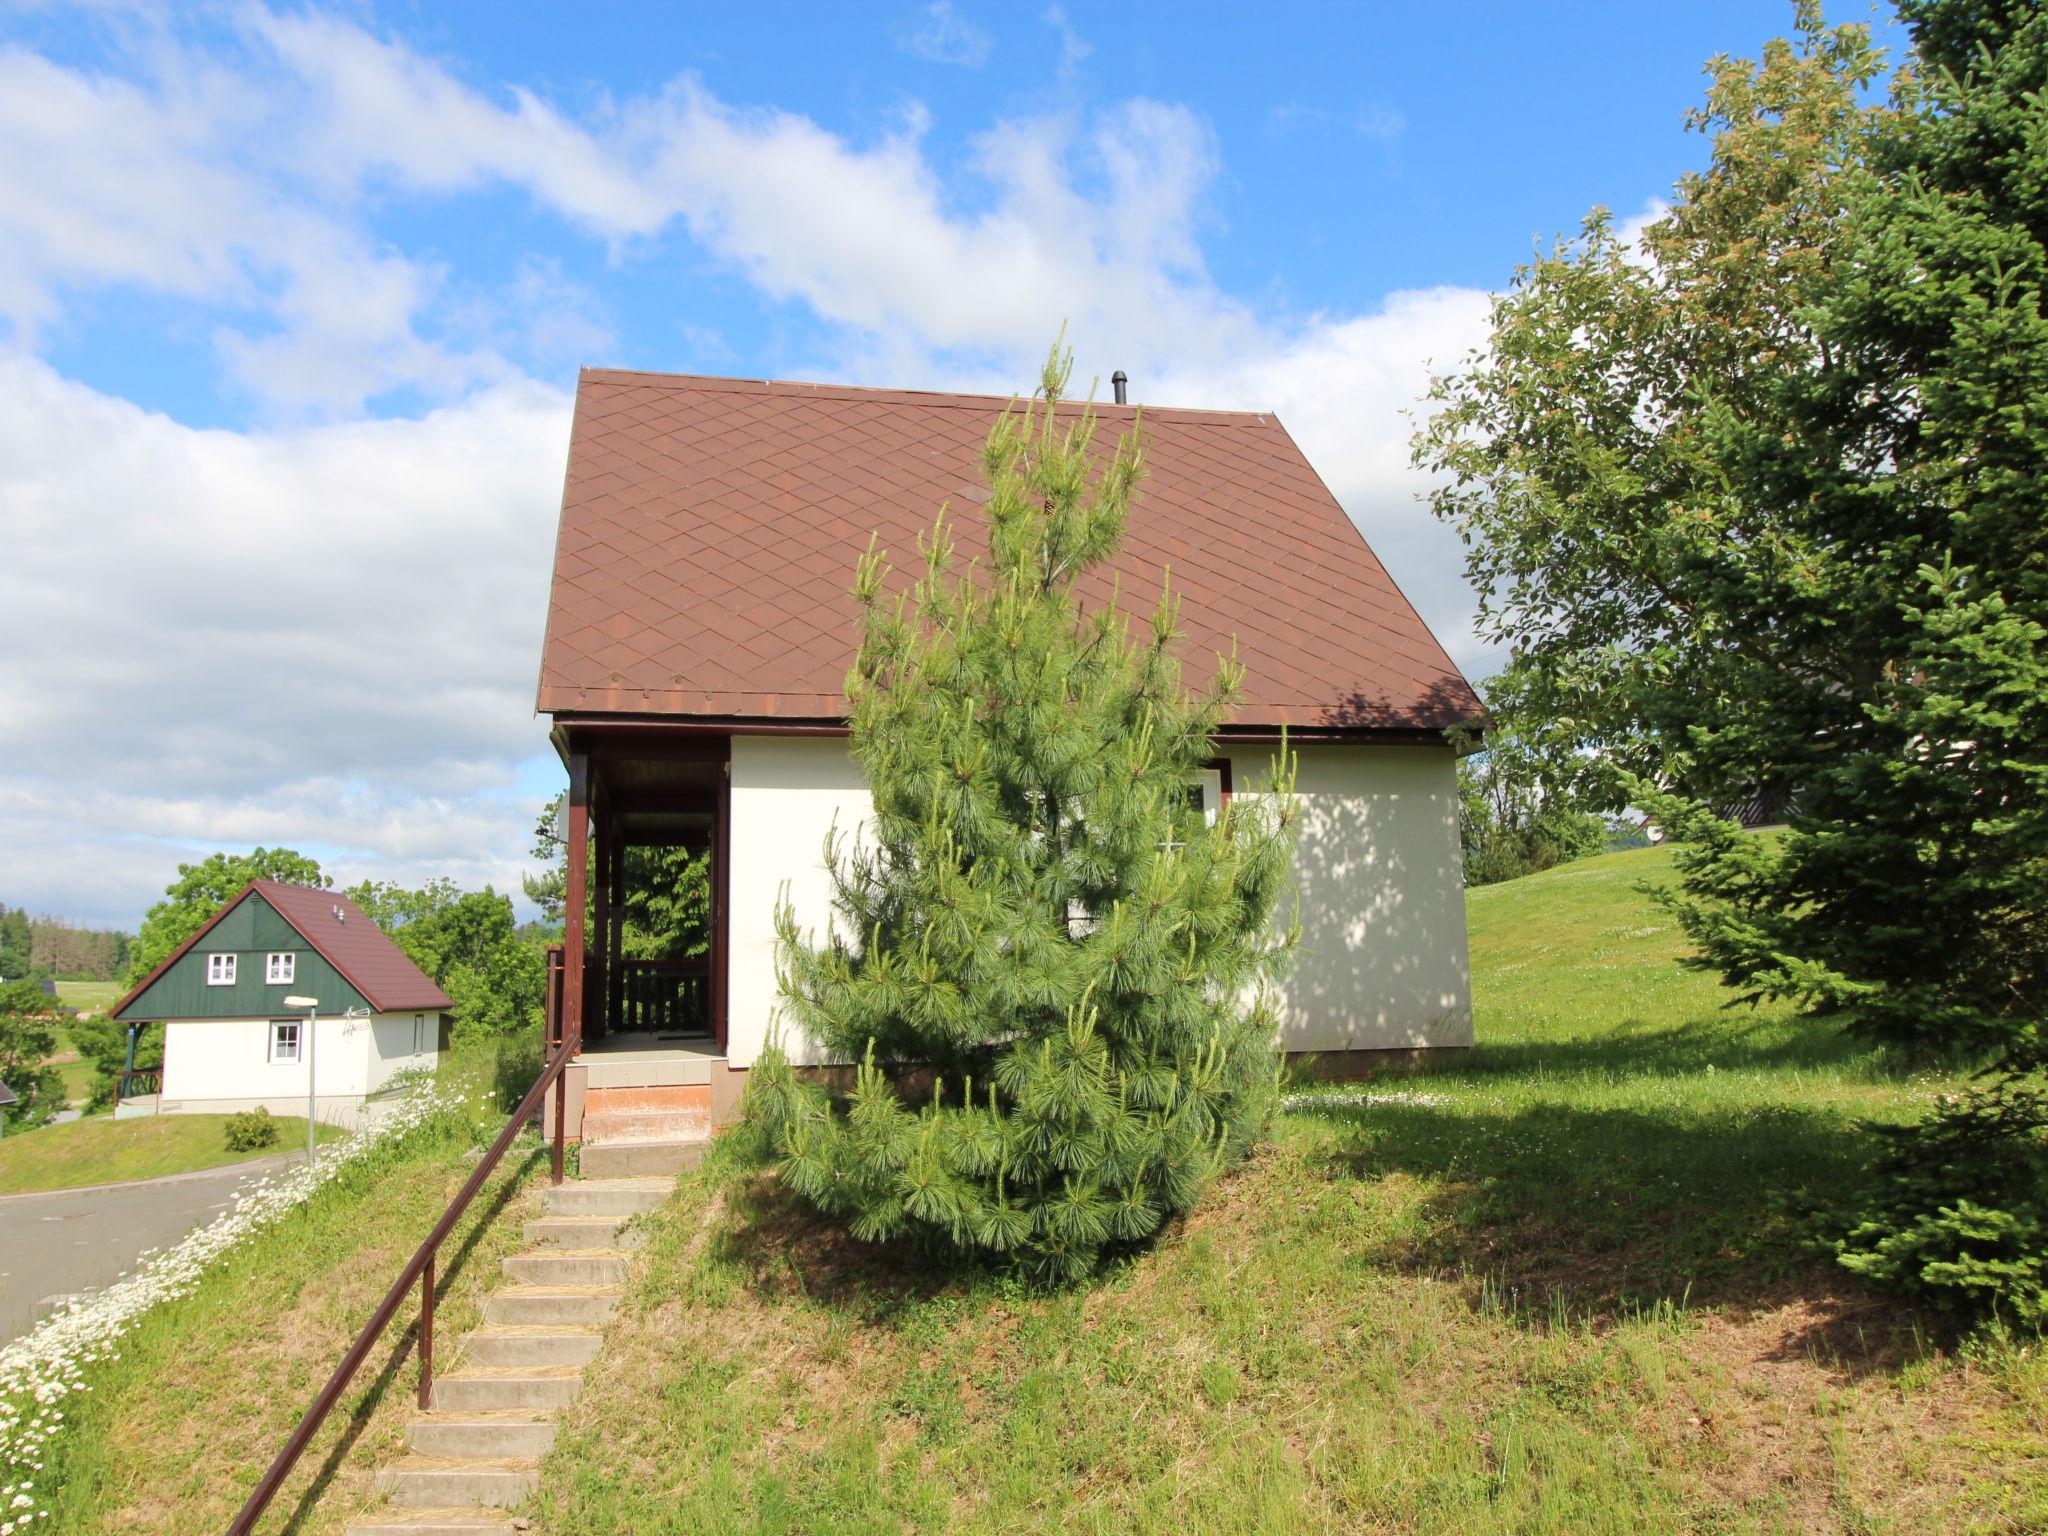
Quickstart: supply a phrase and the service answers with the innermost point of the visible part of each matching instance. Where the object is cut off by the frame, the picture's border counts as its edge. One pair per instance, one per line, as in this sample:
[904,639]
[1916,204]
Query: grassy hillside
[104,1150]
[1551,1290]
[175,1430]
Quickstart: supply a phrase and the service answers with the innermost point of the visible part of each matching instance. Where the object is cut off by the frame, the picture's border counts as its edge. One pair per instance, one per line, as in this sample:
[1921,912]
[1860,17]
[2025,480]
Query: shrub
[1960,1220]
[251,1131]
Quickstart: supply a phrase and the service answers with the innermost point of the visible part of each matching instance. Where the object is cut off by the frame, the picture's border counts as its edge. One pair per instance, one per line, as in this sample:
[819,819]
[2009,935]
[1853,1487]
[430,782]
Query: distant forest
[50,946]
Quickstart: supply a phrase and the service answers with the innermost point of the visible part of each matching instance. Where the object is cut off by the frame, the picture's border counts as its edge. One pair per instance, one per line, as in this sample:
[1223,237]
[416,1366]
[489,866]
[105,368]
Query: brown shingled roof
[352,944]
[710,528]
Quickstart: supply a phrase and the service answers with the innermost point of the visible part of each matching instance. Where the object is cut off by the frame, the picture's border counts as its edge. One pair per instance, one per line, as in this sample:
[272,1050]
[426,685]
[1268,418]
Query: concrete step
[581,1232]
[640,1159]
[514,1305]
[617,1198]
[434,1483]
[656,1124]
[480,1438]
[607,1073]
[531,1347]
[434,1522]
[531,1389]
[565,1267]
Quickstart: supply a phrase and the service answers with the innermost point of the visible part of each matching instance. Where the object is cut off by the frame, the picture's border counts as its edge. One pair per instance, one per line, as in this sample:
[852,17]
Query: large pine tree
[1052,968]
[1758,501]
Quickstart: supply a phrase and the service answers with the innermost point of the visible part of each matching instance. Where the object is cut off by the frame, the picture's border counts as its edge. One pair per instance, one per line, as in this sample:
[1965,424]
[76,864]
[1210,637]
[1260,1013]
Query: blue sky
[291,303]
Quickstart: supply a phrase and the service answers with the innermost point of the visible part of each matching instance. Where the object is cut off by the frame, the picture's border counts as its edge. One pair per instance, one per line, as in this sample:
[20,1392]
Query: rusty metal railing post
[561,1118]
[427,1333]
[419,1267]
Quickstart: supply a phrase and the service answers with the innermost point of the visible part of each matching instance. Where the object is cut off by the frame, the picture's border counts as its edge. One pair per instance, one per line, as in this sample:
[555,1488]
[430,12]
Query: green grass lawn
[104,1150]
[76,1070]
[89,996]
[1554,1288]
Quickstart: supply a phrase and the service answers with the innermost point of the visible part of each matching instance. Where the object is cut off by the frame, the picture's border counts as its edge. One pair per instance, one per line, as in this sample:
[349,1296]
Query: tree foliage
[1758,505]
[1036,912]
[50,946]
[667,907]
[201,889]
[1515,815]
[28,1038]
[469,943]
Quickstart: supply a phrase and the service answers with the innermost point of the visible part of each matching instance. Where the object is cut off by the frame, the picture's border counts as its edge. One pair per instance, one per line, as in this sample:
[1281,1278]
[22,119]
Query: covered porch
[648,1031]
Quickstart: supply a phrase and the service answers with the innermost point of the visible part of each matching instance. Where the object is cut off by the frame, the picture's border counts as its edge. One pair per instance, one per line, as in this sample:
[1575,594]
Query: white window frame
[220,968]
[280,967]
[278,1051]
[419,1034]
[1209,783]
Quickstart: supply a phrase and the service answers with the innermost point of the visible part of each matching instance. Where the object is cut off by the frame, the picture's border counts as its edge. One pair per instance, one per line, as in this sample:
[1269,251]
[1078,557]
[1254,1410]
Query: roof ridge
[947,399]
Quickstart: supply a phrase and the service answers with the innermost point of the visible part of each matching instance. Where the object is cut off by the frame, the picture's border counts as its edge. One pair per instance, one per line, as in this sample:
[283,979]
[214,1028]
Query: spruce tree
[1757,500]
[1051,968]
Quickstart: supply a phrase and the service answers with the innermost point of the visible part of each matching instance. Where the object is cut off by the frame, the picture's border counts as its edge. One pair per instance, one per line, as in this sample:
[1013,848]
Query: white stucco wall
[1382,963]
[214,1066]
[786,791]
[390,1046]
[1383,960]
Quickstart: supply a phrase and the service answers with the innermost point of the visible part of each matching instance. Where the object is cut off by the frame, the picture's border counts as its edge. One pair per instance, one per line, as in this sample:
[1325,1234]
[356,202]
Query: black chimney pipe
[1117,381]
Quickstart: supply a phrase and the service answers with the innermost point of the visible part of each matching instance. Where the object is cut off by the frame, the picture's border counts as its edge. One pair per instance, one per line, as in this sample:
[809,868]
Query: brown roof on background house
[710,529]
[350,942]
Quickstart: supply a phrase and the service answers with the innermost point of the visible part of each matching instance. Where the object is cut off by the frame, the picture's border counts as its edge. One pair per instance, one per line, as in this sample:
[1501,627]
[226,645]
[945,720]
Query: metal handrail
[421,1265]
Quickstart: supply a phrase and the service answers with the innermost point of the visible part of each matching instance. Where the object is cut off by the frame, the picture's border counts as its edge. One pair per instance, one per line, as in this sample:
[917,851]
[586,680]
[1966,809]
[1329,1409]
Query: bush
[1960,1223]
[251,1131]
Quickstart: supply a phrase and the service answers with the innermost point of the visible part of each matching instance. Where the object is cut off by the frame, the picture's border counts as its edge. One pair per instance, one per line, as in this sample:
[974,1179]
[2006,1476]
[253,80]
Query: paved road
[72,1239]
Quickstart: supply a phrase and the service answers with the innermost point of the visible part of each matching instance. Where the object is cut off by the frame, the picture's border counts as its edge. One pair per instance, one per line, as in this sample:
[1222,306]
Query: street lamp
[309,1004]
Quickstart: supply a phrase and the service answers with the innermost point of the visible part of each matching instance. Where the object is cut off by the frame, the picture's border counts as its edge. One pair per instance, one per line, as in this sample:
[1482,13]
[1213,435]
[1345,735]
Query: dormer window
[279,969]
[220,970]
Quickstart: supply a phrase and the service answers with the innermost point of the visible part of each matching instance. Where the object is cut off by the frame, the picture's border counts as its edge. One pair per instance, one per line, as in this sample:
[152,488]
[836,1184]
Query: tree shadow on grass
[402,1346]
[1635,1048]
[786,1249]
[1557,1211]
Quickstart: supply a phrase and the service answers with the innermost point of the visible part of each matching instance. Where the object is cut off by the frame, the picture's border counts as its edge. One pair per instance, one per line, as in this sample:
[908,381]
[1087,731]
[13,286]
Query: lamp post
[310,1004]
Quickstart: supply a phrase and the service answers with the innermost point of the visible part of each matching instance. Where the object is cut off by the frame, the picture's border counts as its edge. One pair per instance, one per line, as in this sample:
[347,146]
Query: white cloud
[942,35]
[326,632]
[224,636]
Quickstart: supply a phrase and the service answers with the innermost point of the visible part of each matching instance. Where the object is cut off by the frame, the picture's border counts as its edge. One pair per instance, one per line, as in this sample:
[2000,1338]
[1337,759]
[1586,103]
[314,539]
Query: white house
[232,1043]
[699,631]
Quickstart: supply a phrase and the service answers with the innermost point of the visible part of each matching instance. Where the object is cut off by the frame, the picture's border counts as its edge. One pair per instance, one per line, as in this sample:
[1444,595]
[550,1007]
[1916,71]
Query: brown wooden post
[601,837]
[616,878]
[721,888]
[427,1332]
[575,899]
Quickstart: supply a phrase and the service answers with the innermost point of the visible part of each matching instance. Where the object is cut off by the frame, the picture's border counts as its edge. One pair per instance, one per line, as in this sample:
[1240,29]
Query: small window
[284,1040]
[220,970]
[279,970]
[1201,797]
[420,1039]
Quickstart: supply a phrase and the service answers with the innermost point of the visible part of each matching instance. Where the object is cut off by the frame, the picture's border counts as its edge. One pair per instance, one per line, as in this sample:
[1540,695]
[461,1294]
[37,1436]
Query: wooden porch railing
[138,1081]
[663,997]
[563,1045]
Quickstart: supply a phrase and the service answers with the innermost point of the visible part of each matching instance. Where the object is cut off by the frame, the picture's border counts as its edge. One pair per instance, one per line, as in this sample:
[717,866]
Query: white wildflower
[44,1366]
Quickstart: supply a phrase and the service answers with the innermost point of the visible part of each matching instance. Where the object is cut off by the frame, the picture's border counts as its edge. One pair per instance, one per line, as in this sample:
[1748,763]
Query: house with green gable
[235,1039]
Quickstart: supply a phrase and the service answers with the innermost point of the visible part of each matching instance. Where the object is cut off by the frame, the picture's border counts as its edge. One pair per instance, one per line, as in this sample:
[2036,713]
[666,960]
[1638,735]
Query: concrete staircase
[477,1451]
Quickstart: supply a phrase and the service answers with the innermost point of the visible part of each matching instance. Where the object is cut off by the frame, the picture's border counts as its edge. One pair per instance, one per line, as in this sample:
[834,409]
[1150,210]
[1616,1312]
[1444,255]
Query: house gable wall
[1383,960]
[250,931]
